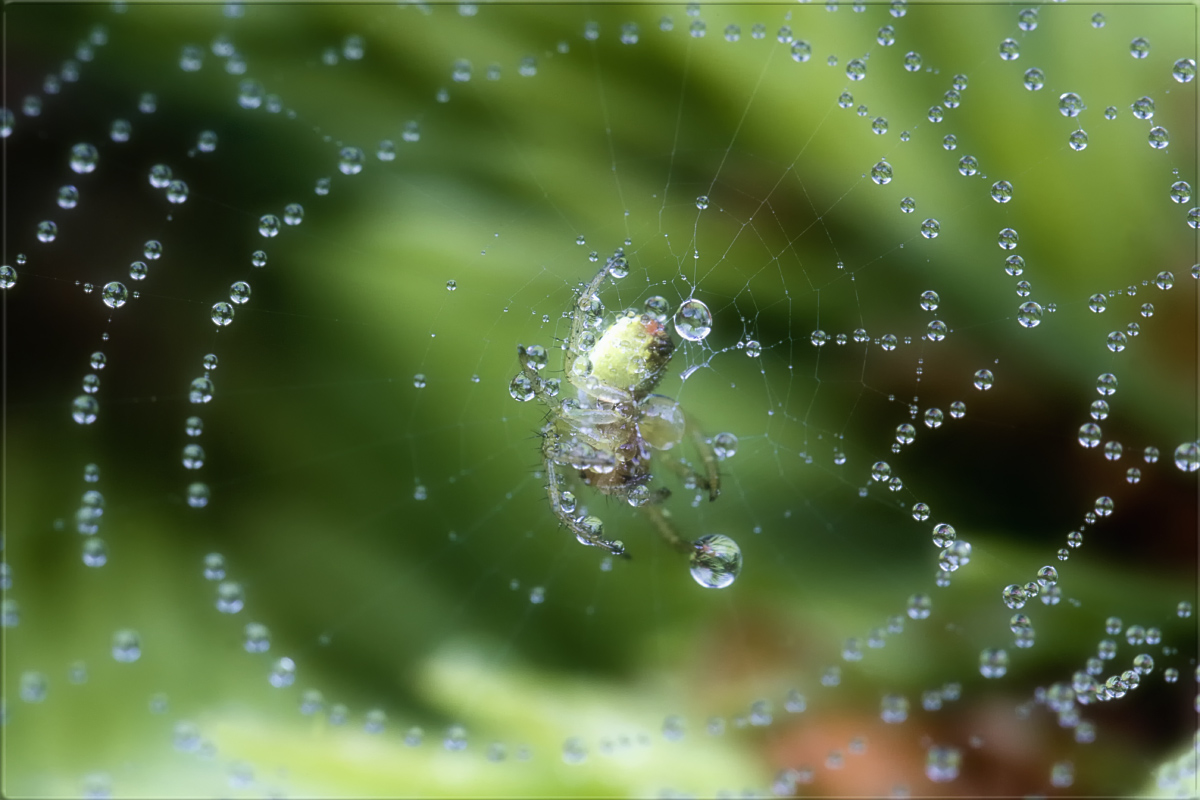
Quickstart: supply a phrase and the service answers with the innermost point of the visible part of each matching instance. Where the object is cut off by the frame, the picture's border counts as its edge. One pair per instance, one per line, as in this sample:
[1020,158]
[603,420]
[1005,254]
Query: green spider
[608,432]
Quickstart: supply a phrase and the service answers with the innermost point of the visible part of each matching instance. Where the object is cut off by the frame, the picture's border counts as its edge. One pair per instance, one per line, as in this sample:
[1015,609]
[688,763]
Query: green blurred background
[319,445]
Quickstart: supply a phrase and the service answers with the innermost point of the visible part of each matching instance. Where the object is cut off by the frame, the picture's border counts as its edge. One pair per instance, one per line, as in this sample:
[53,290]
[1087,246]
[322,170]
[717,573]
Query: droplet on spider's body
[662,422]
[716,561]
[693,320]
[535,356]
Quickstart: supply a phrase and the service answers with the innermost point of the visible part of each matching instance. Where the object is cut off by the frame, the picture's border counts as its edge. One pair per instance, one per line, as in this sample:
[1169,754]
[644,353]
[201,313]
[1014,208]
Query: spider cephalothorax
[607,432]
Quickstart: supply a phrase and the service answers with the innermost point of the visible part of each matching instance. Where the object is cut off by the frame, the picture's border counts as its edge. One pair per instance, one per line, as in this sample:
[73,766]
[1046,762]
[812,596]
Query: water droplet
[268,226]
[95,552]
[230,597]
[351,160]
[214,567]
[693,320]
[893,709]
[283,673]
[222,314]
[1014,596]
[1010,50]
[47,231]
[1070,104]
[257,638]
[1139,48]
[126,646]
[1078,139]
[250,94]
[33,687]
[942,763]
[83,158]
[716,561]
[1029,315]
[84,409]
[930,228]
[725,445]
[993,662]
[574,751]
[919,606]
[1184,70]
[1187,456]
[177,192]
[881,173]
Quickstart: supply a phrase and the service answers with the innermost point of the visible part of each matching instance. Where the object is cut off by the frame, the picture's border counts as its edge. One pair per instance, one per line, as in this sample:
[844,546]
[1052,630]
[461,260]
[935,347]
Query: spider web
[379,497]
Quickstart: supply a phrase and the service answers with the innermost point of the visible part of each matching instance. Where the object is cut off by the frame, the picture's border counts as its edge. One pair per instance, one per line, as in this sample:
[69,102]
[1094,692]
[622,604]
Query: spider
[610,429]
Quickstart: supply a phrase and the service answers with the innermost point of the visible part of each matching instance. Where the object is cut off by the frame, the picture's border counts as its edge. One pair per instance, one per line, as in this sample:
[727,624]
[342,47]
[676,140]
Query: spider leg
[661,518]
[585,534]
[580,315]
[658,496]
[712,480]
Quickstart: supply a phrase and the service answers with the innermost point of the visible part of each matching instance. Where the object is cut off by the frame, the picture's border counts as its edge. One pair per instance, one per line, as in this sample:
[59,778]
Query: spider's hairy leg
[574,524]
[581,313]
[712,480]
[661,518]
